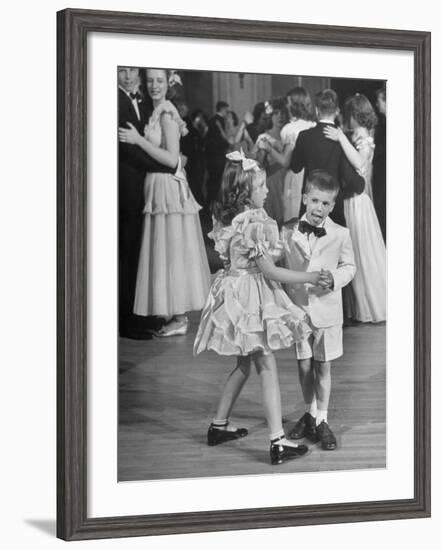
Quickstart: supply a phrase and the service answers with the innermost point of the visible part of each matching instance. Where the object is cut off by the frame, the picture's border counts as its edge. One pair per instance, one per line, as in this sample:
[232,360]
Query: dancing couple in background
[172,276]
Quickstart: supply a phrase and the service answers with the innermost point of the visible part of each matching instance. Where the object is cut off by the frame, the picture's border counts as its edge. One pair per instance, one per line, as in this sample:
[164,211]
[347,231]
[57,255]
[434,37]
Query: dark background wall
[198,89]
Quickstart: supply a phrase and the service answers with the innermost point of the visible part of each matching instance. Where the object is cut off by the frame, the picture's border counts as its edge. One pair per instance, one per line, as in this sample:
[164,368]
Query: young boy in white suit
[316,243]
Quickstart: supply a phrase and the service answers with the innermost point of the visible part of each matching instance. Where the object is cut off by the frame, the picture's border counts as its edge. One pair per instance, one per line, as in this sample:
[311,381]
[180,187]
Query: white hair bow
[247,164]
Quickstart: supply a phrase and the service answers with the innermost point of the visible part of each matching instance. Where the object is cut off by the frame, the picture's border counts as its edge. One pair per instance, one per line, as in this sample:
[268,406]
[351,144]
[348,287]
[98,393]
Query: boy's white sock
[312,408]
[320,416]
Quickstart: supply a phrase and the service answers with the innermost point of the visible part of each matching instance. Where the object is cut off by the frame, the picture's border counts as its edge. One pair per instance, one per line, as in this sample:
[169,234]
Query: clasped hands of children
[324,279]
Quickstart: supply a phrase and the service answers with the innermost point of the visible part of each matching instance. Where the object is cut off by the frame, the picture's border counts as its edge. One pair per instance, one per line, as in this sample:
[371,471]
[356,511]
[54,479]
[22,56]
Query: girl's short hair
[358,107]
[300,103]
[235,192]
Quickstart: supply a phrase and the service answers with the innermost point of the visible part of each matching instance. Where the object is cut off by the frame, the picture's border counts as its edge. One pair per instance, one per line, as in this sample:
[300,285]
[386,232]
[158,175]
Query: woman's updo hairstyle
[360,108]
[172,78]
[300,103]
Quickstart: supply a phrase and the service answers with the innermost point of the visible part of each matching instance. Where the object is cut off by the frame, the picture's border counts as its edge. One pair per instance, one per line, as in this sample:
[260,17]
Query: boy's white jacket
[333,252]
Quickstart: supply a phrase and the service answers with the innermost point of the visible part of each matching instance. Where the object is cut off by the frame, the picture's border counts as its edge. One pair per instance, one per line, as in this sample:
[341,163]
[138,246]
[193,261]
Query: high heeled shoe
[280,453]
[215,436]
[180,331]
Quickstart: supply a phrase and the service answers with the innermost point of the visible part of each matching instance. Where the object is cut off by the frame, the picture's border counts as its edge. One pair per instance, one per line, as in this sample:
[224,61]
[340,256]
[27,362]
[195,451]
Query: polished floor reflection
[167,399]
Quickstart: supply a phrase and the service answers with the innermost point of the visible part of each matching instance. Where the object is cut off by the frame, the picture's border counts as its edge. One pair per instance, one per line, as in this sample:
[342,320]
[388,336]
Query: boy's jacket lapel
[301,240]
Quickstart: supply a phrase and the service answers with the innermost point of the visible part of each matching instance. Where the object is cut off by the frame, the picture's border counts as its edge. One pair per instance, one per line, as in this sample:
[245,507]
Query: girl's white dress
[173,272]
[245,312]
[292,187]
[369,283]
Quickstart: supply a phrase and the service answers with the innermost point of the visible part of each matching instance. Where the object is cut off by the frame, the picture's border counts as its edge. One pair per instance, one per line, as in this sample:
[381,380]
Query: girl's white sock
[224,425]
[279,438]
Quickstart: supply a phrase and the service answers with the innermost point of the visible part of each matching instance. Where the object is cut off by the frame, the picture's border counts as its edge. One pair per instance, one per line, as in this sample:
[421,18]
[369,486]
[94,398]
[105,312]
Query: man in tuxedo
[217,146]
[133,164]
[313,151]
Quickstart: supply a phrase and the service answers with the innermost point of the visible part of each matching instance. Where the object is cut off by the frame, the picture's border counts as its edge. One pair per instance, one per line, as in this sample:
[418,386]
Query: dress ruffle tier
[245,312]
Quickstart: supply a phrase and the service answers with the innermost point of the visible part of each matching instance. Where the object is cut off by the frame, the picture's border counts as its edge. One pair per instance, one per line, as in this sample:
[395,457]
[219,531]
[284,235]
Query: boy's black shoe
[305,427]
[215,436]
[279,452]
[326,436]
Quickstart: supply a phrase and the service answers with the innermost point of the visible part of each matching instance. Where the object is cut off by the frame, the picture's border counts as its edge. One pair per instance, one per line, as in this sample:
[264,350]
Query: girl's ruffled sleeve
[261,239]
[222,236]
[168,108]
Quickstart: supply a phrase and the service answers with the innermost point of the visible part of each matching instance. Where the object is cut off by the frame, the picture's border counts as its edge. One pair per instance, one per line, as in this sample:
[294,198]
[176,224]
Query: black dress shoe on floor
[280,453]
[326,436]
[305,427]
[215,436]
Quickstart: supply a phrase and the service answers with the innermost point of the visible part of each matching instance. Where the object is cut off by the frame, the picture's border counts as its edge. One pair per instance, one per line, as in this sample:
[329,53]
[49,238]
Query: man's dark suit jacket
[133,164]
[314,151]
[216,144]
[216,149]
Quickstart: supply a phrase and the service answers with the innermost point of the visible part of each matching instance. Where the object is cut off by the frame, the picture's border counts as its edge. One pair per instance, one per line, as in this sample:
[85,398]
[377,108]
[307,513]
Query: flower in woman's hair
[268,108]
[174,79]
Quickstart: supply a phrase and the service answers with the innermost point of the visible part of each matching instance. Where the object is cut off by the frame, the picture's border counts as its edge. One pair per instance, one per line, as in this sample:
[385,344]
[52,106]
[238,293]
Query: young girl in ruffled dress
[247,313]
[173,272]
[369,284]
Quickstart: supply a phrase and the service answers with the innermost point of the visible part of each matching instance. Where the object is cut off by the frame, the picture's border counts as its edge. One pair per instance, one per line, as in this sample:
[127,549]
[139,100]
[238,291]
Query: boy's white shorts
[324,344]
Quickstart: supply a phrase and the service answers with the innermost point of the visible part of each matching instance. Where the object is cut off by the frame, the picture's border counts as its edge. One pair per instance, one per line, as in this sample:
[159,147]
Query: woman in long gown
[173,273]
[275,171]
[300,110]
[369,283]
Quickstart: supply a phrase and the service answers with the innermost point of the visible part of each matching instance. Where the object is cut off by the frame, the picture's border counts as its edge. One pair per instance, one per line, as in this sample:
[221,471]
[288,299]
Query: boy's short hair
[322,180]
[221,105]
[327,102]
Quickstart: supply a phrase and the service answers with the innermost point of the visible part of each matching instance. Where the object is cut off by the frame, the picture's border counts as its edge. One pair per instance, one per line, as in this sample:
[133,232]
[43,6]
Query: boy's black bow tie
[136,96]
[305,227]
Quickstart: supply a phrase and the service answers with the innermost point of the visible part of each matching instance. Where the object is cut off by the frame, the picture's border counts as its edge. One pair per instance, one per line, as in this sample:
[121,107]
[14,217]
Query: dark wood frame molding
[73,27]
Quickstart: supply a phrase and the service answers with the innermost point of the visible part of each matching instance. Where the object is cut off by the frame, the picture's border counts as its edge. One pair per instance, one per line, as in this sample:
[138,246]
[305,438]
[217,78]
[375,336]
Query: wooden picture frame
[73,27]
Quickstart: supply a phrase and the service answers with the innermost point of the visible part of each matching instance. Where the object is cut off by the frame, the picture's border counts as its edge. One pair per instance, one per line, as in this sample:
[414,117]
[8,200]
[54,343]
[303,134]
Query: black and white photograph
[252,295]
[217,275]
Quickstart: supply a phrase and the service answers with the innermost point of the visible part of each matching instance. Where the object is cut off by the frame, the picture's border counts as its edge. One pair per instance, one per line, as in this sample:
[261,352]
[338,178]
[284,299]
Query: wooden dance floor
[167,399]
